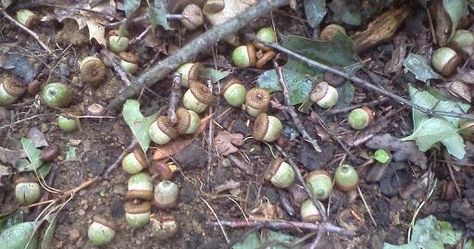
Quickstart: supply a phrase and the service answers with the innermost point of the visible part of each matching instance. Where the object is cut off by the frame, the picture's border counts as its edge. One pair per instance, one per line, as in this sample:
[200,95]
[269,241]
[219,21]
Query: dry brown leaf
[179,144]
[225,142]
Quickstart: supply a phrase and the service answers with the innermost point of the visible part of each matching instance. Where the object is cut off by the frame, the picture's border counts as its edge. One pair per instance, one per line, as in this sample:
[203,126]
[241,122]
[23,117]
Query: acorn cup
[140,187]
[280,173]
[93,70]
[135,161]
[188,121]
[10,91]
[190,72]
[324,95]
[257,101]
[137,215]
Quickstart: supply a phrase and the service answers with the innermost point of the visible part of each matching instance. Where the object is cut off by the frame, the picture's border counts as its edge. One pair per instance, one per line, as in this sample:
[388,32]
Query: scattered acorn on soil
[27,190]
[360,118]
[10,91]
[267,35]
[280,173]
[129,62]
[234,92]
[244,56]
[140,187]
[101,231]
[324,95]
[188,121]
[346,178]
[328,32]
[192,17]
[27,17]
[445,60]
[137,214]
[166,194]
[56,95]
[190,71]
[309,212]
[68,124]
[161,131]
[135,161]
[257,101]
[93,70]
[117,43]
[164,227]
[198,97]
[267,128]
[319,184]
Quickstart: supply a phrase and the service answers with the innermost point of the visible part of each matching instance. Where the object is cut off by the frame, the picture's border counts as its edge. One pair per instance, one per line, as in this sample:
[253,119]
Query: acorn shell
[257,101]
[319,184]
[192,17]
[188,121]
[93,70]
[445,60]
[234,92]
[198,97]
[267,128]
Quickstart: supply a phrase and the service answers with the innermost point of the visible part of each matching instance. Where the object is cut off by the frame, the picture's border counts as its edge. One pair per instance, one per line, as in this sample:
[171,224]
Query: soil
[392,198]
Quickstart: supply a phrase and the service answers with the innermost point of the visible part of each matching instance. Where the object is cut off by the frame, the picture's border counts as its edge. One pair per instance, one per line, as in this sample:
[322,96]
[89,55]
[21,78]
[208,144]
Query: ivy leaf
[33,155]
[157,14]
[214,75]
[315,11]
[137,122]
[130,6]
[433,130]
[420,67]
[430,233]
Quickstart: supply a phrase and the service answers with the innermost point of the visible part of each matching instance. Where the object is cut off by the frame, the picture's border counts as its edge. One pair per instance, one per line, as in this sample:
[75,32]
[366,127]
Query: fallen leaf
[228,185]
[232,8]
[11,156]
[225,142]
[37,136]
[179,144]
[138,123]
[420,67]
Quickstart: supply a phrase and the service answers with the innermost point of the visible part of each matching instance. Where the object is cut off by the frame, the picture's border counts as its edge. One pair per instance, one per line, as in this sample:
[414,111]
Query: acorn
[161,131]
[190,72]
[266,35]
[137,215]
[257,101]
[213,6]
[165,170]
[360,118]
[267,128]
[234,92]
[93,70]
[319,184]
[463,42]
[188,121]
[192,17]
[198,97]
[264,59]
[50,153]
[56,95]
[129,62]
[117,43]
[27,190]
[135,161]
[68,125]
[96,110]
[244,56]
[164,227]
[102,231]
[324,95]
[280,173]
[445,60]
[166,194]
[27,17]
[10,91]
[346,178]
[328,32]
[309,212]
[140,187]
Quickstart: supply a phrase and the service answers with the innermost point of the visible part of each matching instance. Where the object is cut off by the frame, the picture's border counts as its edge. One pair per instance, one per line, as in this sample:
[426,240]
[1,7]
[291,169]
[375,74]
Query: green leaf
[11,218]
[252,241]
[381,156]
[430,233]
[428,100]
[33,155]
[299,76]
[137,122]
[456,9]
[19,235]
[130,6]
[420,67]
[44,170]
[315,11]
[346,11]
[269,235]
[214,75]
[433,130]
[71,153]
[48,234]
[157,14]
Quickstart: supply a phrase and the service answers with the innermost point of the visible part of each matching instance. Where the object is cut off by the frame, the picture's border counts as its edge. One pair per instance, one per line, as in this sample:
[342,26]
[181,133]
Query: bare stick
[282,224]
[175,95]
[117,162]
[210,146]
[290,109]
[367,85]
[115,64]
[350,108]
[29,31]
[192,48]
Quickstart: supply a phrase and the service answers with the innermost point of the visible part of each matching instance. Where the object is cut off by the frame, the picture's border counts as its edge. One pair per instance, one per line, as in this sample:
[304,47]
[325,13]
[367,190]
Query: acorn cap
[201,92]
[184,120]
[93,70]
[129,57]
[317,172]
[262,61]
[139,195]
[369,112]
[133,208]
[252,53]
[229,82]
[25,179]
[141,157]
[319,91]
[273,168]
[165,126]
[260,126]
[445,60]
[213,6]
[258,98]
[192,16]
[13,87]
[106,222]
[195,71]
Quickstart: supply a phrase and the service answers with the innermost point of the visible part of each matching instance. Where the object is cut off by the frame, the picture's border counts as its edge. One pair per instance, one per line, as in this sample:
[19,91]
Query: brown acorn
[93,70]
[257,101]
[188,121]
[129,62]
[11,90]
[161,131]
[50,153]
[267,128]
[198,97]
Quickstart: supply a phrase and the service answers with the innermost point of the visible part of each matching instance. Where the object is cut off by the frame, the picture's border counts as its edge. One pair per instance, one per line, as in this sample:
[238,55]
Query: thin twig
[350,108]
[317,239]
[175,95]
[210,147]
[29,31]
[283,224]
[366,206]
[367,85]
[164,67]
[290,109]
[116,65]
[117,162]
[217,218]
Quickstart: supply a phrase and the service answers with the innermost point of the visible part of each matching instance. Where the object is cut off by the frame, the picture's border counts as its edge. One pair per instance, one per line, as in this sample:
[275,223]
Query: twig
[290,109]
[217,218]
[210,147]
[192,48]
[117,162]
[282,224]
[350,108]
[317,239]
[241,165]
[29,31]
[115,64]
[367,85]
[139,37]
[366,206]
[175,95]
